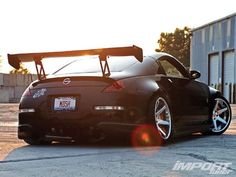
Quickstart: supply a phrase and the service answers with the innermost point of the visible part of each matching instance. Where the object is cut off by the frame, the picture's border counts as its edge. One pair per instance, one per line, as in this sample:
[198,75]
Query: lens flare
[146,139]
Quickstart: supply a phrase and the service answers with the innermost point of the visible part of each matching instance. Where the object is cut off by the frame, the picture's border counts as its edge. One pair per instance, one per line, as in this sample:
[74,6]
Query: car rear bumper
[25,131]
[31,124]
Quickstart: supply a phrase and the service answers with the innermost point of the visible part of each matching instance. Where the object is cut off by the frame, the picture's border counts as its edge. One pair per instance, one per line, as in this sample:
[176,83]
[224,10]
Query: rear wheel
[161,113]
[221,116]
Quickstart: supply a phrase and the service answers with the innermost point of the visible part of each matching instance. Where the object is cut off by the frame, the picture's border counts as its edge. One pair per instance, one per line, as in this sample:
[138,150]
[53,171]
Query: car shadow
[66,150]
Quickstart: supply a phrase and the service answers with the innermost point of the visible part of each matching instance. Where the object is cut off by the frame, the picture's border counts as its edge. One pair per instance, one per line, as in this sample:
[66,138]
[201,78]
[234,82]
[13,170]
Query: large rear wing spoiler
[16,59]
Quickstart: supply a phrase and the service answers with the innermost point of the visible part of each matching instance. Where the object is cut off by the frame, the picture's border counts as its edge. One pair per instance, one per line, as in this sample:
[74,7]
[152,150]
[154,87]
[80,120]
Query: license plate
[64,103]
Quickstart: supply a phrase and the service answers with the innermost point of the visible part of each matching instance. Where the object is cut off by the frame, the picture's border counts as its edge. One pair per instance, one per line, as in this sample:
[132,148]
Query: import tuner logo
[211,168]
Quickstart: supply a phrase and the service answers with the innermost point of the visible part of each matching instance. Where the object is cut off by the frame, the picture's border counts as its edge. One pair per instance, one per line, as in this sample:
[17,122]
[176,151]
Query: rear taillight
[115,87]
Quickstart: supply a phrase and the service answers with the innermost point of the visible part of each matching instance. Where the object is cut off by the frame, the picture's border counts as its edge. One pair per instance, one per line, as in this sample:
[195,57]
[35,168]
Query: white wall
[13,85]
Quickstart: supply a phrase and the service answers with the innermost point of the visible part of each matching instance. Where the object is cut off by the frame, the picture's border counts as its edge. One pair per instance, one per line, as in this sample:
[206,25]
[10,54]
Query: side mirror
[194,74]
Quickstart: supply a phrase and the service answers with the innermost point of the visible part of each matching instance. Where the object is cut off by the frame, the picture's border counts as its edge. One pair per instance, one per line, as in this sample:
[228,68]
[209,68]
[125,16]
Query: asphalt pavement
[195,155]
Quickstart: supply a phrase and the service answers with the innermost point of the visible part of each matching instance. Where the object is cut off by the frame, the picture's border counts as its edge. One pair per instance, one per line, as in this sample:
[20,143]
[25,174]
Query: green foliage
[176,44]
[22,70]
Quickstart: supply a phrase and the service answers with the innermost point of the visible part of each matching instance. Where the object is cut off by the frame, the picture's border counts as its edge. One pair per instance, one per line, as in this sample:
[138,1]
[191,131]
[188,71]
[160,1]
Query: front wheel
[221,116]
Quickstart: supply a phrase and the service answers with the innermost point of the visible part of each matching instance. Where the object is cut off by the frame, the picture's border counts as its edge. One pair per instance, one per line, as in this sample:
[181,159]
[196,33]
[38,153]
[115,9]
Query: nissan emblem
[66,81]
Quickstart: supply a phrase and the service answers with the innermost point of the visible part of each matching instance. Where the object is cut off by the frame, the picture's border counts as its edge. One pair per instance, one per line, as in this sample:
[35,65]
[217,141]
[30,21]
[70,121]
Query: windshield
[92,65]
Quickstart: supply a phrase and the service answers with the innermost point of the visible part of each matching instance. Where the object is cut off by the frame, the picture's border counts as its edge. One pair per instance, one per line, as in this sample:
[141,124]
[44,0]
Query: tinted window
[92,65]
[147,67]
[171,68]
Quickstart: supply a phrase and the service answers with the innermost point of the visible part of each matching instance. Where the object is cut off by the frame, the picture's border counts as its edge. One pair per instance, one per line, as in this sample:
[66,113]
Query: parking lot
[116,158]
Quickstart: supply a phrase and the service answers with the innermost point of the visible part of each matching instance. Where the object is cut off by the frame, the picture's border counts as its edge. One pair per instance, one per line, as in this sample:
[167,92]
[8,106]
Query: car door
[188,97]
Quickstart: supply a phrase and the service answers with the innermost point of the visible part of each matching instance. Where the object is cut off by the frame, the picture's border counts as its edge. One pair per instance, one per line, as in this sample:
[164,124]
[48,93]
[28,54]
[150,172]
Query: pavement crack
[199,157]
[49,158]
[67,156]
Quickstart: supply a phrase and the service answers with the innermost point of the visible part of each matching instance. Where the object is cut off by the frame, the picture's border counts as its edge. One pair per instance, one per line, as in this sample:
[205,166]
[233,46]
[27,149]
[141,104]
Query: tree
[176,44]
[21,70]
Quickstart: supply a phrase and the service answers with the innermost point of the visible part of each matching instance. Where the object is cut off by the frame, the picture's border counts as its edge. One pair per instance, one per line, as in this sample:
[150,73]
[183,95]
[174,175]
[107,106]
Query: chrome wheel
[221,116]
[163,118]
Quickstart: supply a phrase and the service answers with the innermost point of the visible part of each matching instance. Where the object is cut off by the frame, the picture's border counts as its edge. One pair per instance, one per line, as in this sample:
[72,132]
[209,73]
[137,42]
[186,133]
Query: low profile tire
[161,115]
[221,116]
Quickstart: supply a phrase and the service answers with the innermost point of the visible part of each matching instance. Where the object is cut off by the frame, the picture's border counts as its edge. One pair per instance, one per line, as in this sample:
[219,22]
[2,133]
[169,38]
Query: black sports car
[115,91]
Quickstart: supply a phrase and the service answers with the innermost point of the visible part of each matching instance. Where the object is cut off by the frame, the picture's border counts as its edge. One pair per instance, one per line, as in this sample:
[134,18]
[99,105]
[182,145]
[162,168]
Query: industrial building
[213,54]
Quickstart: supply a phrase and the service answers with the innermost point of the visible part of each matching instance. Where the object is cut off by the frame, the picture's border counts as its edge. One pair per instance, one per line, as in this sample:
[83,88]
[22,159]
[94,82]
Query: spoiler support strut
[104,66]
[40,69]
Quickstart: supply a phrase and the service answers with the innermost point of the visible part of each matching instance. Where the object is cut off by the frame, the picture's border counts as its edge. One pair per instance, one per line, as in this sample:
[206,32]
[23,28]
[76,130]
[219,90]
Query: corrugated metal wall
[216,39]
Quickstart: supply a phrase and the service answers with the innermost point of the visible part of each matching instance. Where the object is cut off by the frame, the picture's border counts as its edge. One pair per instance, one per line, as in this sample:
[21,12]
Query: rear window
[92,65]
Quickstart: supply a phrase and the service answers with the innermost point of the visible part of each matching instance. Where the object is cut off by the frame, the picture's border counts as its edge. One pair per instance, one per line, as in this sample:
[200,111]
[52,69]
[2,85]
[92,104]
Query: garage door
[214,70]
[228,75]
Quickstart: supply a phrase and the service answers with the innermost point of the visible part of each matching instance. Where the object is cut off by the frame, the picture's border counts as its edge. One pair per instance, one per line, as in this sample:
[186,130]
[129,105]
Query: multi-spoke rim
[221,115]
[163,118]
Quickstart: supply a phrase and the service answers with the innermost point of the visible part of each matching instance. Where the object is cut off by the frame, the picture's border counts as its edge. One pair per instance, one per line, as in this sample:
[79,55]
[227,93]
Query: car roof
[159,55]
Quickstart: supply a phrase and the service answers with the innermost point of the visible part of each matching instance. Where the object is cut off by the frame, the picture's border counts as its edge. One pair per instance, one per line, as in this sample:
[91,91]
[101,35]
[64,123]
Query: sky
[54,25]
